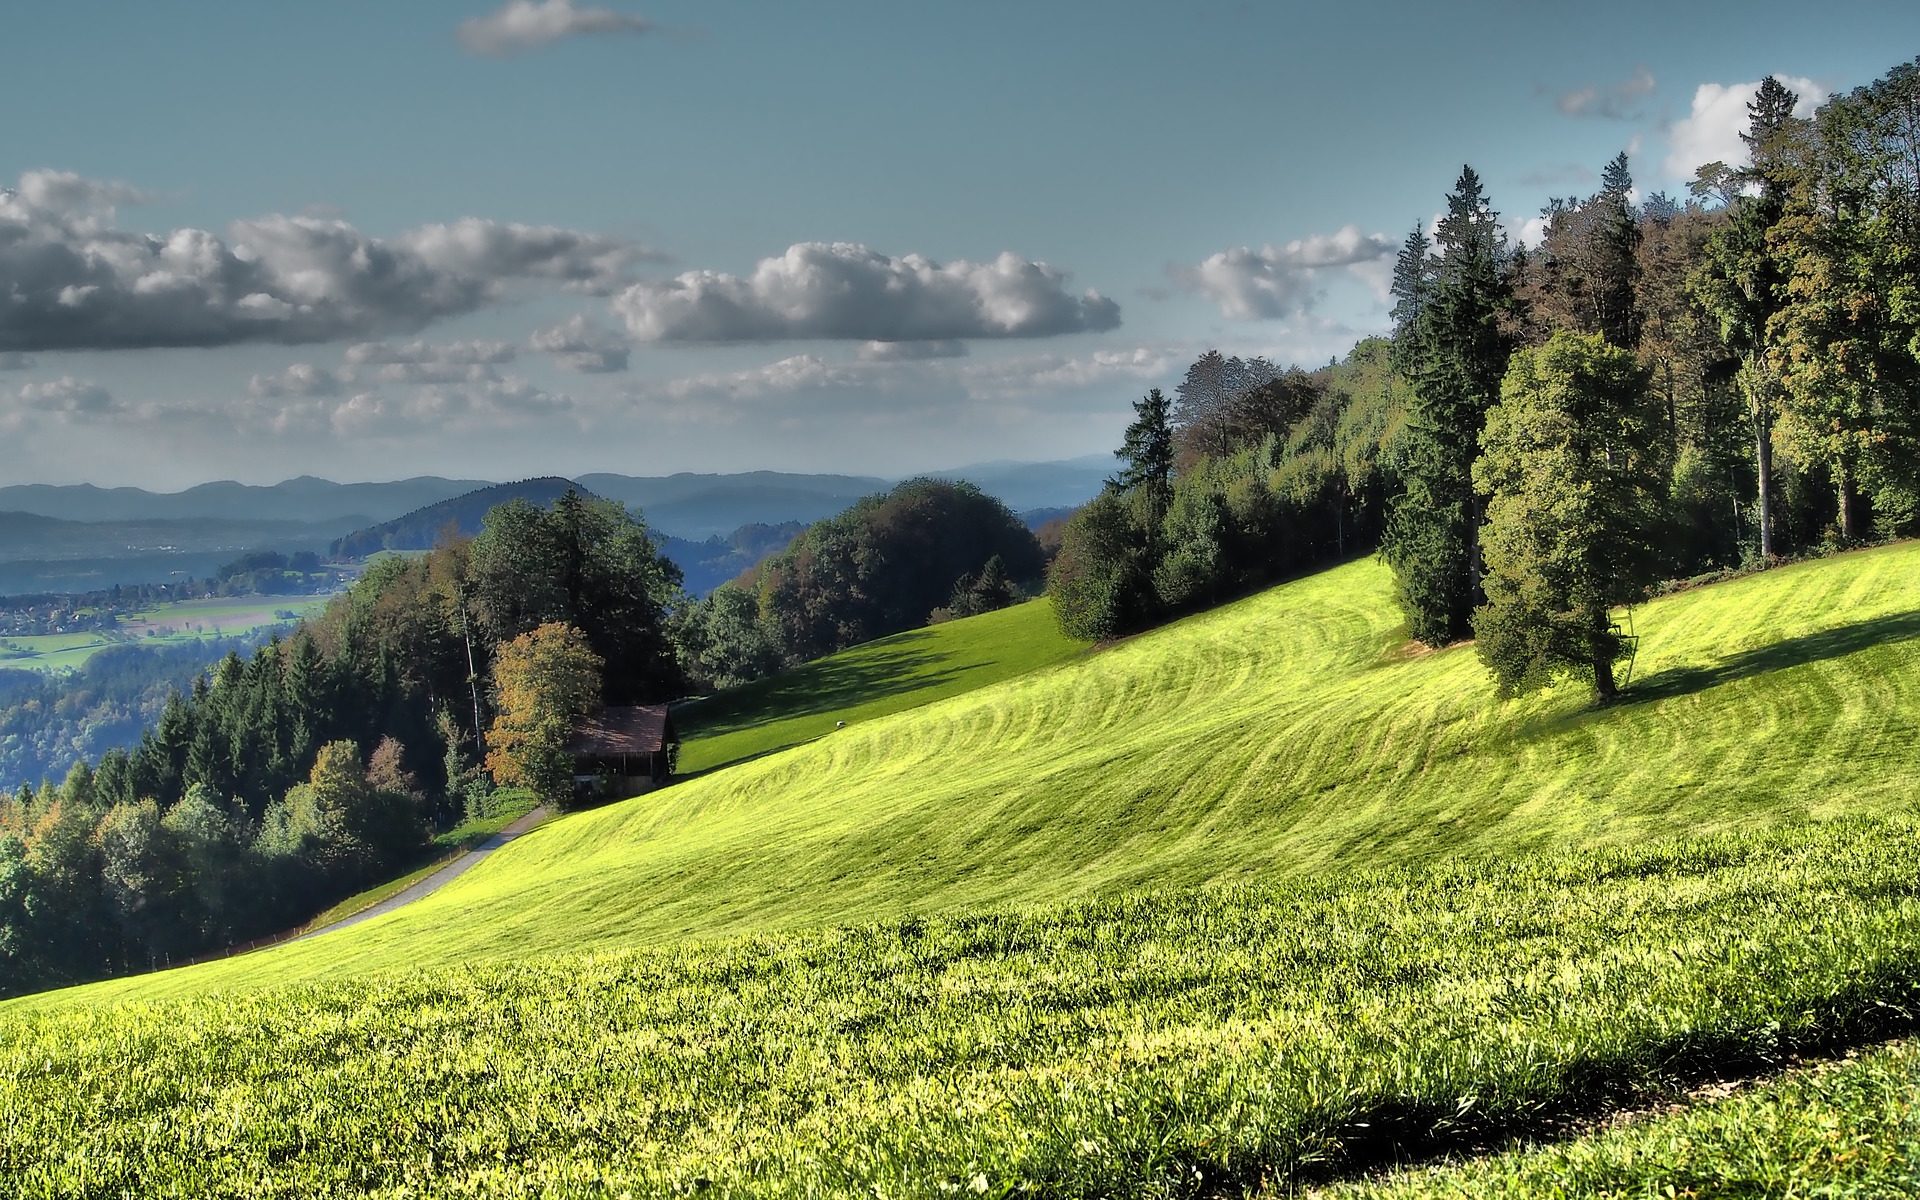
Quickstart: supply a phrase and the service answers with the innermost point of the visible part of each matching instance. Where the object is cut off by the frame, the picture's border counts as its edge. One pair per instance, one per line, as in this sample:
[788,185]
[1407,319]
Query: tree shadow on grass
[1775,656]
[897,667]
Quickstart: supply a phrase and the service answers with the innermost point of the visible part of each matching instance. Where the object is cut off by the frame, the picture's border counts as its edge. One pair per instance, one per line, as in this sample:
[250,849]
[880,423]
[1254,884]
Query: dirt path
[440,878]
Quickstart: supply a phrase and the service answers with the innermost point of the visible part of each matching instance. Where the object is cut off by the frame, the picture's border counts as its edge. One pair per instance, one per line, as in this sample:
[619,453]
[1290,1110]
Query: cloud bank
[72,279]
[845,291]
[583,346]
[1616,101]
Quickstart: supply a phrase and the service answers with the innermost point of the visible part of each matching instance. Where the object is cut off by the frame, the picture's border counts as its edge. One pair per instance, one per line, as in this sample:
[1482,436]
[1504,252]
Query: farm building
[623,751]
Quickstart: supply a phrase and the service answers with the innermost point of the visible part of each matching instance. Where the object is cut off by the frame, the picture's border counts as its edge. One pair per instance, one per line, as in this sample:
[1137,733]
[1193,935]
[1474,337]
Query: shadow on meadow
[1775,656]
[897,666]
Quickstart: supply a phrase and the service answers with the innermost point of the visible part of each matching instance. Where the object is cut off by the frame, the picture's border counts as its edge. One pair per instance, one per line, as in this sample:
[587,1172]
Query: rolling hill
[1258,899]
[1281,737]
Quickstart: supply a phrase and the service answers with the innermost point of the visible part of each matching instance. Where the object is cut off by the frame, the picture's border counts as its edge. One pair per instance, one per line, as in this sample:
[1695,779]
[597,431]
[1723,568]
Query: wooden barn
[622,752]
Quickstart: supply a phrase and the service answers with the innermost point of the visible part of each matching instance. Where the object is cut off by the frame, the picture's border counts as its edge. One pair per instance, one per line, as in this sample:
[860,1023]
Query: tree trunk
[1605,690]
[1763,470]
[1849,496]
[1475,595]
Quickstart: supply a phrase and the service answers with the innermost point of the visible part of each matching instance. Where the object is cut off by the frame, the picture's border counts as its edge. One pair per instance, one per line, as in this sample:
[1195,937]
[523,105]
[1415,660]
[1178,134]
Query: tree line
[1662,388]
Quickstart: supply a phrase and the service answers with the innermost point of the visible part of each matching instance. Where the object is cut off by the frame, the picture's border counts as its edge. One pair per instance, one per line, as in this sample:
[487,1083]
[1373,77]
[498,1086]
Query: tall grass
[1174,1042]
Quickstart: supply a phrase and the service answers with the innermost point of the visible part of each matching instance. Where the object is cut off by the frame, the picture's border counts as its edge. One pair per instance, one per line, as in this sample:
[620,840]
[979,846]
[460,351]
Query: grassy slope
[1846,1131]
[882,677]
[1280,737]
[1159,1044]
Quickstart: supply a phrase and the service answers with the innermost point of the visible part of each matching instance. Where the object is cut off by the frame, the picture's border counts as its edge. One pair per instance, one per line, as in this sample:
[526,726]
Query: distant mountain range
[421,528]
[106,536]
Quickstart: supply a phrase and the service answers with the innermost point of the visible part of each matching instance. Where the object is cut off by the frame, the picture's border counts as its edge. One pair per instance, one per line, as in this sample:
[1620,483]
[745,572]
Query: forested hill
[421,528]
[705,564]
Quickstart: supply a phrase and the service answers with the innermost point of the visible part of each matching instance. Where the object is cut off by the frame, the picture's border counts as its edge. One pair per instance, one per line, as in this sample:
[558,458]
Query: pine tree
[1147,451]
[1412,286]
[1458,353]
[1742,284]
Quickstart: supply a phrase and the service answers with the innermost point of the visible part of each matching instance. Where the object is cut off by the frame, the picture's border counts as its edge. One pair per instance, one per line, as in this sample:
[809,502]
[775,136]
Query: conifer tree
[1742,283]
[1147,451]
[1458,353]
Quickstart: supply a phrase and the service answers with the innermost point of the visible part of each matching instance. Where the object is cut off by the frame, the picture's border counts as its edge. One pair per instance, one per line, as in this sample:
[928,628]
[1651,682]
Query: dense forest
[50,723]
[1660,389]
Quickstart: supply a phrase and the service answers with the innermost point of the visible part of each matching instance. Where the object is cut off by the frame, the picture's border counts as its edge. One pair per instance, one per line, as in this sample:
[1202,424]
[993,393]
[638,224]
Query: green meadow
[1176,1042]
[1261,899]
[1286,736]
[884,676]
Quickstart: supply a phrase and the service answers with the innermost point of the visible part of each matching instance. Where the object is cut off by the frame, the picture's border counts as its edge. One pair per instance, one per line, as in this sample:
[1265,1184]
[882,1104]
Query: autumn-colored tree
[544,682]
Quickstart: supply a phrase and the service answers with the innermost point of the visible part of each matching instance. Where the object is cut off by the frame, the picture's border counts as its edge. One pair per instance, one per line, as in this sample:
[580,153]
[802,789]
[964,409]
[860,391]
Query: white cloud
[888,389]
[912,351]
[75,280]
[582,345]
[436,353]
[1279,281]
[1710,132]
[1616,101]
[300,379]
[523,25]
[68,397]
[845,291]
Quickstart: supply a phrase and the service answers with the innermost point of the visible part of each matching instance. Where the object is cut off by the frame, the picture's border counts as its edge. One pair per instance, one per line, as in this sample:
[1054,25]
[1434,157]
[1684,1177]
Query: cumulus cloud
[882,389]
[68,397]
[911,351]
[1279,281]
[1710,132]
[300,379]
[428,362]
[479,351]
[845,291]
[524,25]
[582,345]
[74,280]
[1614,101]
[493,402]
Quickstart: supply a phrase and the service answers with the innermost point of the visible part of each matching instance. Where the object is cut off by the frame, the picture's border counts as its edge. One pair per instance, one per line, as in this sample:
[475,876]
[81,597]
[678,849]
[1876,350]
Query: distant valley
[71,538]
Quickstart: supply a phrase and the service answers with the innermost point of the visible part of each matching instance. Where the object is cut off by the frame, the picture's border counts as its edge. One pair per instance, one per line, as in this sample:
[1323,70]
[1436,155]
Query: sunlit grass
[1286,736]
[1164,1043]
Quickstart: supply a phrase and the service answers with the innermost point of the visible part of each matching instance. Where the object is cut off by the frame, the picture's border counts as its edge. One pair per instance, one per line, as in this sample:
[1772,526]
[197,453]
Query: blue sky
[713,236]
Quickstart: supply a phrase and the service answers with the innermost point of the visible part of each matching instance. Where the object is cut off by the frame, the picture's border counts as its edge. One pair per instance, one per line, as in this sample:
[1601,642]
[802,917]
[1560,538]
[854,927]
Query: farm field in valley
[163,624]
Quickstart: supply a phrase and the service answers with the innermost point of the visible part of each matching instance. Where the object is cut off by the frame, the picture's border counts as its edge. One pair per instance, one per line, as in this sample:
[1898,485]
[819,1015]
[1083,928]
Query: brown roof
[614,731]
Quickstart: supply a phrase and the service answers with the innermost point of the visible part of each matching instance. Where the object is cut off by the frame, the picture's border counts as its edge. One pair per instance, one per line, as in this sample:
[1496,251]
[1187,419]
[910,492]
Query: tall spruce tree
[1457,354]
[1412,285]
[1147,451]
[1742,283]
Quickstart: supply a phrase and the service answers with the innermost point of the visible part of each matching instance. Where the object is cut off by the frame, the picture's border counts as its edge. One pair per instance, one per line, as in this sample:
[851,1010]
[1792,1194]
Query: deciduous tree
[1575,474]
